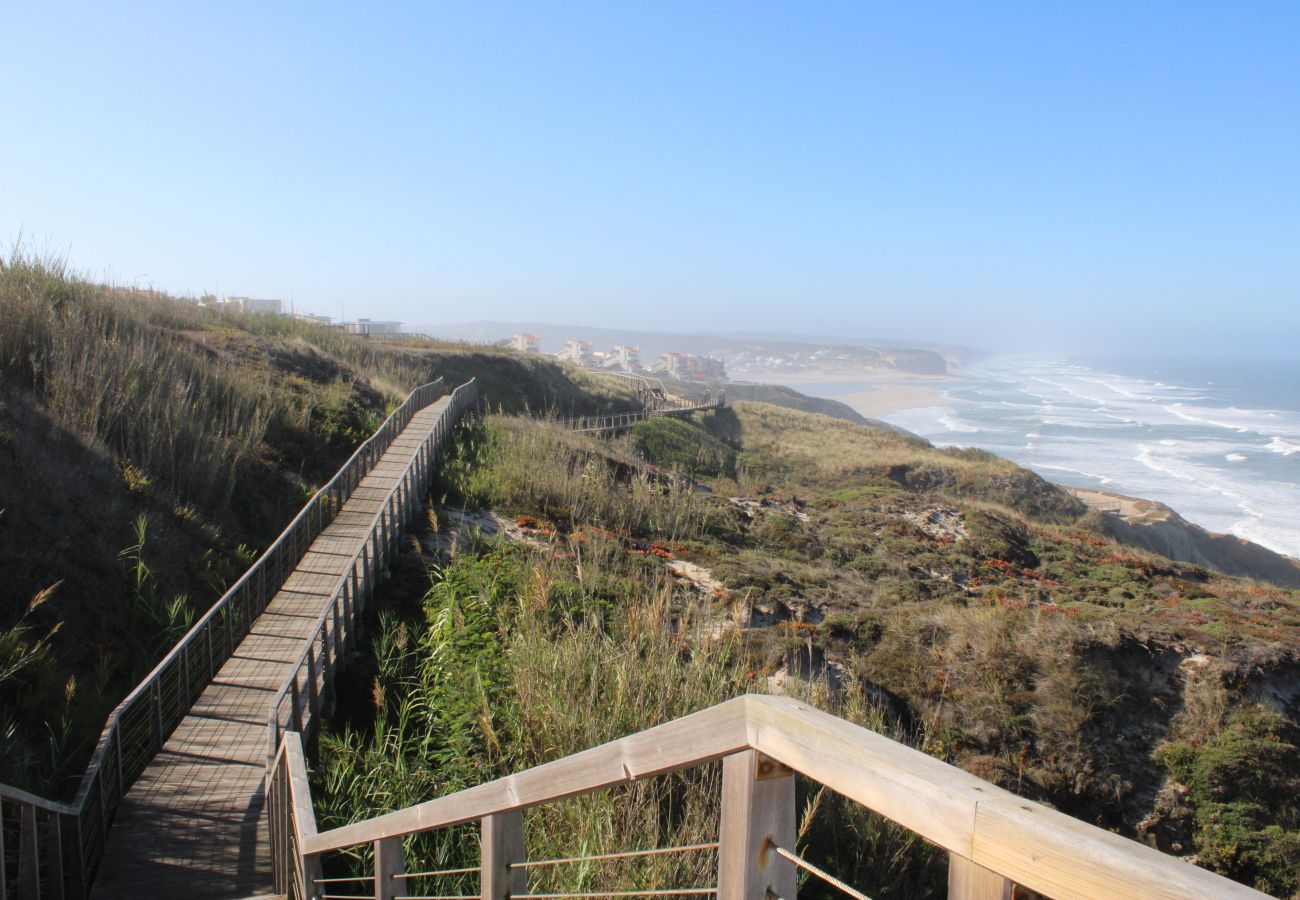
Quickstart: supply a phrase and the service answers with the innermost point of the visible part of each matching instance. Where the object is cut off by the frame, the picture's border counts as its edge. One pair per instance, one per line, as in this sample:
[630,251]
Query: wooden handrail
[985,828]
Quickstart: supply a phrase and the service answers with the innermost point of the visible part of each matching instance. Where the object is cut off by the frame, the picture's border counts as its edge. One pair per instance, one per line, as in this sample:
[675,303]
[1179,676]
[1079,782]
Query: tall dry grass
[106,368]
[530,467]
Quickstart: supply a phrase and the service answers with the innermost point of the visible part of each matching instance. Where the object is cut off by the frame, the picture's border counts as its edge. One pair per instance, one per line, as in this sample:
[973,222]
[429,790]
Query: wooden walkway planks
[191,826]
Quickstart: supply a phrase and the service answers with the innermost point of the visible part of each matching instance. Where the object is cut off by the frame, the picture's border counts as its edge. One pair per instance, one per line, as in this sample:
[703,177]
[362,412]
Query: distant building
[577,352]
[256,305]
[526,343]
[626,359]
[135,293]
[320,320]
[691,368]
[369,326]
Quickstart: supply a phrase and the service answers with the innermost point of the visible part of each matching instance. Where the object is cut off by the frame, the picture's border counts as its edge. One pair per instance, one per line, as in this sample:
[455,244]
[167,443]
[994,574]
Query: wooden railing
[657,405]
[995,839]
[59,845]
[309,686]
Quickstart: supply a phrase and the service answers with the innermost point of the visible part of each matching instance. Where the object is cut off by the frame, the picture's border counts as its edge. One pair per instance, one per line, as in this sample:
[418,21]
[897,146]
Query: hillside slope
[945,597]
[150,448]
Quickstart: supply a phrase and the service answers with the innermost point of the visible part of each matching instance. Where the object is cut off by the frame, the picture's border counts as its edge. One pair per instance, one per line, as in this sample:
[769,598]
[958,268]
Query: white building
[577,352]
[626,359]
[691,368]
[263,305]
[369,326]
[525,343]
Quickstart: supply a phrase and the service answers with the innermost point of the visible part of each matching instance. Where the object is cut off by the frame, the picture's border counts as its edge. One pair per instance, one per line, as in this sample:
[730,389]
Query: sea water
[1216,440]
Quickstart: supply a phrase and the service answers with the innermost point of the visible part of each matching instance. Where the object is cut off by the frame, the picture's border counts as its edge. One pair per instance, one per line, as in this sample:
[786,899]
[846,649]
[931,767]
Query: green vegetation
[150,447]
[946,598]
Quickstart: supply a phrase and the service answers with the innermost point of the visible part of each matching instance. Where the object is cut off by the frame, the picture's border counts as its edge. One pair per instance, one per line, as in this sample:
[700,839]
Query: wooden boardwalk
[192,826]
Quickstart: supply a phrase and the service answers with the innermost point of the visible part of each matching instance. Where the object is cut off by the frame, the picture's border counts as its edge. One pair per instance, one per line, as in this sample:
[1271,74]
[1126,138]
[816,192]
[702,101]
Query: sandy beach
[873,393]
[882,399]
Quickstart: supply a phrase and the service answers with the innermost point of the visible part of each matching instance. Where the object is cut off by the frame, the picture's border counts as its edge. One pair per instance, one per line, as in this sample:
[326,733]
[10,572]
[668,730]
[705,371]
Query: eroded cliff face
[1155,527]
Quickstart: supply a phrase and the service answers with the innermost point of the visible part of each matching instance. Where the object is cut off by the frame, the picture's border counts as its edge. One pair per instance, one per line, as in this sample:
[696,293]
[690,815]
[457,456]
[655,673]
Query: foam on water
[1283,446]
[1224,454]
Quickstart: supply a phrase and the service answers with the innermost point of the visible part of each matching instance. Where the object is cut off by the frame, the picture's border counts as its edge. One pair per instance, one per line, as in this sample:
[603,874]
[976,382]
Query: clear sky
[1088,176]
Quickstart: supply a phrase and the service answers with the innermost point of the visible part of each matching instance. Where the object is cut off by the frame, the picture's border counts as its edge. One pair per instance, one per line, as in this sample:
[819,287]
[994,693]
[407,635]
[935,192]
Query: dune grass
[1013,641]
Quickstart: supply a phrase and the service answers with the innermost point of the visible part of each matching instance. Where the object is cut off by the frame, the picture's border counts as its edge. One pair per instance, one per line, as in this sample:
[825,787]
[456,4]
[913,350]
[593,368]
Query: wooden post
[295,705]
[79,873]
[334,651]
[501,843]
[313,697]
[54,856]
[389,861]
[969,881]
[349,591]
[183,696]
[4,884]
[273,821]
[29,859]
[228,614]
[311,873]
[757,811]
[155,699]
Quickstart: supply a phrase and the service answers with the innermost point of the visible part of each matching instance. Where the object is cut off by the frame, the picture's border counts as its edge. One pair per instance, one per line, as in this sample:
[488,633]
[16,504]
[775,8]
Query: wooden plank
[684,743]
[1067,859]
[1034,846]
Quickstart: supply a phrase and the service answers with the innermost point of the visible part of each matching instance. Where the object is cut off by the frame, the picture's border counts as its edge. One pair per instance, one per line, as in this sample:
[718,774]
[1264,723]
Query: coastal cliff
[1155,527]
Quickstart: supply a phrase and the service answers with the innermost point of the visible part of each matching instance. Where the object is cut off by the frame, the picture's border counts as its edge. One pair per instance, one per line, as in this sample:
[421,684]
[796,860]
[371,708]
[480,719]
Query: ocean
[1216,440]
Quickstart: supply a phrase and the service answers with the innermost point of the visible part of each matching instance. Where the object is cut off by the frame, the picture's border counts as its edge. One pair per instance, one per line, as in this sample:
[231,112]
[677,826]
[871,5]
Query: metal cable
[439,872]
[663,892]
[823,875]
[624,855]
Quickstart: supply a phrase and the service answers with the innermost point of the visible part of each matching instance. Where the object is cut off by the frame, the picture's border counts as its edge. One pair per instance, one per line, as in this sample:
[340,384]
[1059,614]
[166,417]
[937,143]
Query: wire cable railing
[997,842]
[656,407]
[601,857]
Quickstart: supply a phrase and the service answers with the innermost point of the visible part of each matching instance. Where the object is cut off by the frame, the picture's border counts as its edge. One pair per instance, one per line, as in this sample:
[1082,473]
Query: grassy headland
[945,597]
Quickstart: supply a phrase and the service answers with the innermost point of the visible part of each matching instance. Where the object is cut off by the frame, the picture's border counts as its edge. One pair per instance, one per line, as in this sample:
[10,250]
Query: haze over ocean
[1216,440]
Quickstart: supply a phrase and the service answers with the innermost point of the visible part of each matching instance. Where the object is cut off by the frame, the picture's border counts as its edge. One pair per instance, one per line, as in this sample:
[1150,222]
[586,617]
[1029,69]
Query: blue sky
[1094,177]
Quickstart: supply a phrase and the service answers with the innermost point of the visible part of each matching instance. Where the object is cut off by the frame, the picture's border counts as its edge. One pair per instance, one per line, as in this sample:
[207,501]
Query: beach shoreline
[872,393]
